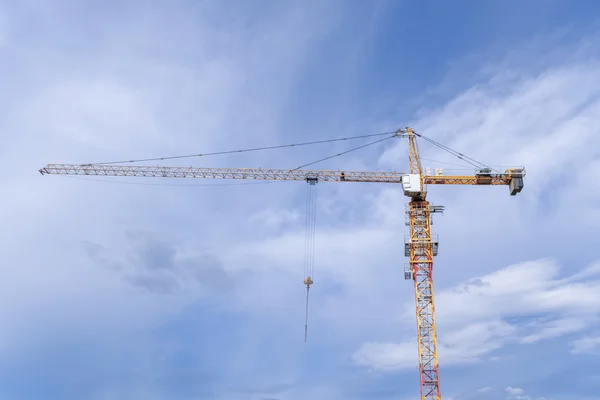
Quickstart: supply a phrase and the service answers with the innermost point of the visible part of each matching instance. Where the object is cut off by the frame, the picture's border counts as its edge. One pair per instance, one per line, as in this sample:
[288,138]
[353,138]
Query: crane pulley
[420,247]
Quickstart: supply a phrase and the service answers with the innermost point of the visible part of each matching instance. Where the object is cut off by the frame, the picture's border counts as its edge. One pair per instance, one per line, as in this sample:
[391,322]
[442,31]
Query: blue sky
[157,292]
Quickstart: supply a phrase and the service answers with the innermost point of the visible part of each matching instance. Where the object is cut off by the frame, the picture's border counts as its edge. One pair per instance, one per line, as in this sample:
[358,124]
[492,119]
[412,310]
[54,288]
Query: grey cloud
[99,255]
[472,283]
[158,282]
[478,282]
[150,252]
[209,272]
[153,265]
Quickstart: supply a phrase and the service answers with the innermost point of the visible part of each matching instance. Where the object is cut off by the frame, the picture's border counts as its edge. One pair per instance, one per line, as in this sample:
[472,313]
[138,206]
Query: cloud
[514,391]
[519,394]
[159,266]
[557,328]
[586,345]
[274,220]
[523,303]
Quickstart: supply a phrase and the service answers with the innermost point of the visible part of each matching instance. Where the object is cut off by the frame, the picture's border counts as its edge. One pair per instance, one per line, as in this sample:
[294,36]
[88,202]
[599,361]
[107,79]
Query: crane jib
[512,177]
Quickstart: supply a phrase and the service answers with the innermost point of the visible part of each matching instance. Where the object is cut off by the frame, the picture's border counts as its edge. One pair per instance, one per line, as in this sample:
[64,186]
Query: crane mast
[421,252]
[420,246]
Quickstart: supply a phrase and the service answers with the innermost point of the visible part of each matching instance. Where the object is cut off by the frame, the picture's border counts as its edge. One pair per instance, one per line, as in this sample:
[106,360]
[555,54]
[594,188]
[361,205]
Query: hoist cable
[310,227]
[309,243]
[306,230]
[306,315]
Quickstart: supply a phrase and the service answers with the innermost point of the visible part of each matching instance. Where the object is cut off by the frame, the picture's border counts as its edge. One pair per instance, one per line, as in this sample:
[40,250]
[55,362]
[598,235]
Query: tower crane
[420,246]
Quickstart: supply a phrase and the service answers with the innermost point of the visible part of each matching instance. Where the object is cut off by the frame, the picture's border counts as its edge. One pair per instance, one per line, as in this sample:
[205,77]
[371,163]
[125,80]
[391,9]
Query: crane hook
[308,281]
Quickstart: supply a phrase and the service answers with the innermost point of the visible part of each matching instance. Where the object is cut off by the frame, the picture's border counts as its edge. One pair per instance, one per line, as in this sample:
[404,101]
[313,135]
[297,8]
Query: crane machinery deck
[420,246]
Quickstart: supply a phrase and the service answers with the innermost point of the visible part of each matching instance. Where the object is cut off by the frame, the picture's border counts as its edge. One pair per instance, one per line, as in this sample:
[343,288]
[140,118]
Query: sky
[158,289]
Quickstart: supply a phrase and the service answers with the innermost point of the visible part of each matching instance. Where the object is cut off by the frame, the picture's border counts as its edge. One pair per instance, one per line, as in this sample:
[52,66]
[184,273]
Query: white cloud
[473,318]
[586,345]
[274,219]
[558,327]
[514,391]
[461,346]
[519,394]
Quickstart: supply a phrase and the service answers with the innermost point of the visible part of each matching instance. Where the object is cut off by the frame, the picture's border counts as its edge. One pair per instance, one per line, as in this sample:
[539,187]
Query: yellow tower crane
[420,247]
